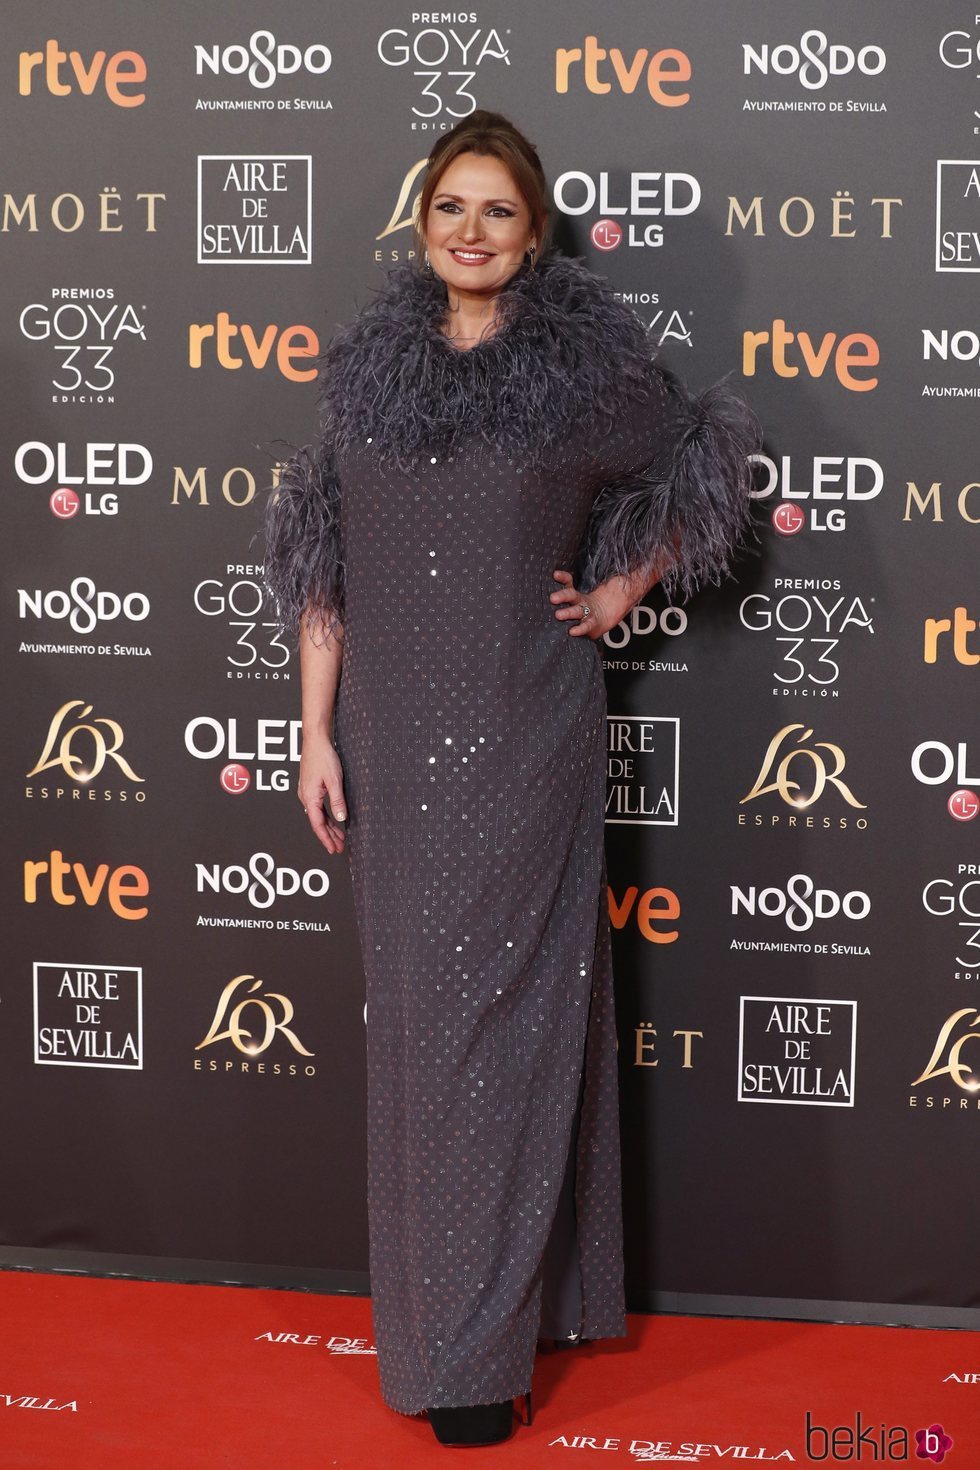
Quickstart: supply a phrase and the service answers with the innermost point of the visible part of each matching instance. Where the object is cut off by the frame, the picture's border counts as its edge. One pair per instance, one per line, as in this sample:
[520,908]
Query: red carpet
[171,1377]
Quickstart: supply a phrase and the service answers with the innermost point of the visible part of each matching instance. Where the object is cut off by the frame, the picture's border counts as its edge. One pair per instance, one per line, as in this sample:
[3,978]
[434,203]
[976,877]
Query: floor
[112,1374]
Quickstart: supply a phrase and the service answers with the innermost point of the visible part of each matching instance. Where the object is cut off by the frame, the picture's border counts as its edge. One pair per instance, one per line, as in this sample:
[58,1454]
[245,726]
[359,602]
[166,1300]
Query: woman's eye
[448,206]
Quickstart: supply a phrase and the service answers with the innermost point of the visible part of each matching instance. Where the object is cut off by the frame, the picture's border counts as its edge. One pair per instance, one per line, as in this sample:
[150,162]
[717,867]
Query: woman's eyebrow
[443,195]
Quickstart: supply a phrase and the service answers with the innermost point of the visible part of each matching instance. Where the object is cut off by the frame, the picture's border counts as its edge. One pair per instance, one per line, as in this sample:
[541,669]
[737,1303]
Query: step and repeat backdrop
[790,192]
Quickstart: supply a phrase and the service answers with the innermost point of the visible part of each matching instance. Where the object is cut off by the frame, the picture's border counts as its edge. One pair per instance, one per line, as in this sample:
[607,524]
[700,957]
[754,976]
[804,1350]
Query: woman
[501,473]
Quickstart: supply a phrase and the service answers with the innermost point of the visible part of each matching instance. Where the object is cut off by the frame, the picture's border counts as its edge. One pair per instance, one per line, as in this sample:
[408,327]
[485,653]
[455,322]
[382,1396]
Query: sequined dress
[472,733]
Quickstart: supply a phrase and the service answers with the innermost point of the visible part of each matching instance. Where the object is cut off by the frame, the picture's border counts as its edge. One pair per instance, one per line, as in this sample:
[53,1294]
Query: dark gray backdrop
[187,1157]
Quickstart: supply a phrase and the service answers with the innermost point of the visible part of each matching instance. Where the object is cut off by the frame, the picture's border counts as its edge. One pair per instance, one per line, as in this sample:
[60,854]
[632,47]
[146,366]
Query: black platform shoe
[554,1344]
[477,1424]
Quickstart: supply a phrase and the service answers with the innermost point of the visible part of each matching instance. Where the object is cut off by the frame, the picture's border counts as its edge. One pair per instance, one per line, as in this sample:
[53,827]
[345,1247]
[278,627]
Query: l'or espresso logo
[642,766]
[947,1064]
[786,755]
[88,1016]
[244,1004]
[80,749]
[121,888]
[958,901]
[806,620]
[796,1051]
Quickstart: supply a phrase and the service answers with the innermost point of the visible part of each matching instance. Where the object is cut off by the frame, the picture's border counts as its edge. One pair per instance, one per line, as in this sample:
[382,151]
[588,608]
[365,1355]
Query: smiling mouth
[472,257]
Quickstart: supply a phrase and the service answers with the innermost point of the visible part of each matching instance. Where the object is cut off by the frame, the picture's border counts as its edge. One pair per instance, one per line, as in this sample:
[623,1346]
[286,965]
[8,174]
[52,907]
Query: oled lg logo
[934,763]
[645,201]
[830,484]
[274,746]
[104,470]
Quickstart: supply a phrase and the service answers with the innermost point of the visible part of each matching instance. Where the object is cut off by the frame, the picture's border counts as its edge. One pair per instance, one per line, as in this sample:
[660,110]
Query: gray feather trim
[564,349]
[695,512]
[303,567]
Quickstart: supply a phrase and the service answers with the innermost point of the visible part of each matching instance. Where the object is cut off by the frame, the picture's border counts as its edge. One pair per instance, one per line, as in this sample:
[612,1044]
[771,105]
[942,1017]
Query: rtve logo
[281,345]
[854,353]
[952,631]
[122,69]
[647,910]
[662,69]
[119,886]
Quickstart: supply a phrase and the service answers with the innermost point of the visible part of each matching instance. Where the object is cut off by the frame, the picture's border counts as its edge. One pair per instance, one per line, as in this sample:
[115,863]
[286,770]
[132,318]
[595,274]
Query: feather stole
[565,350]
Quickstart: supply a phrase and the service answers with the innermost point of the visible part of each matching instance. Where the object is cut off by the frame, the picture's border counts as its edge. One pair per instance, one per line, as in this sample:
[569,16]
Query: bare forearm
[320,667]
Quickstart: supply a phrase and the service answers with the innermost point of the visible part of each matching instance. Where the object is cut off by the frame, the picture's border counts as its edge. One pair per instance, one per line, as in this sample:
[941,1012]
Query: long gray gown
[471,729]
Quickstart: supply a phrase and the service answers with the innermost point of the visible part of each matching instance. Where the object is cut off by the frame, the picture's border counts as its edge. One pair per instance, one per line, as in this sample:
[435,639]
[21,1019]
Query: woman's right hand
[321,777]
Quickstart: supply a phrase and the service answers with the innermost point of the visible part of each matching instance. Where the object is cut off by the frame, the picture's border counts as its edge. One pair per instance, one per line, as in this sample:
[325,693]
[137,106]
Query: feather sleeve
[675,491]
[304,571]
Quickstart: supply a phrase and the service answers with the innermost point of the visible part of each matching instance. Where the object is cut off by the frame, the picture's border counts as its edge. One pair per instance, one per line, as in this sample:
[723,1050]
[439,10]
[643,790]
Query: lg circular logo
[235,779]
[606,234]
[788,519]
[64,504]
[963,805]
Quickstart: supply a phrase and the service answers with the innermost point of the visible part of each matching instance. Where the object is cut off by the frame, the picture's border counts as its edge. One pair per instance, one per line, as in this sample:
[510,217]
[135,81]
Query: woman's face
[479,226]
